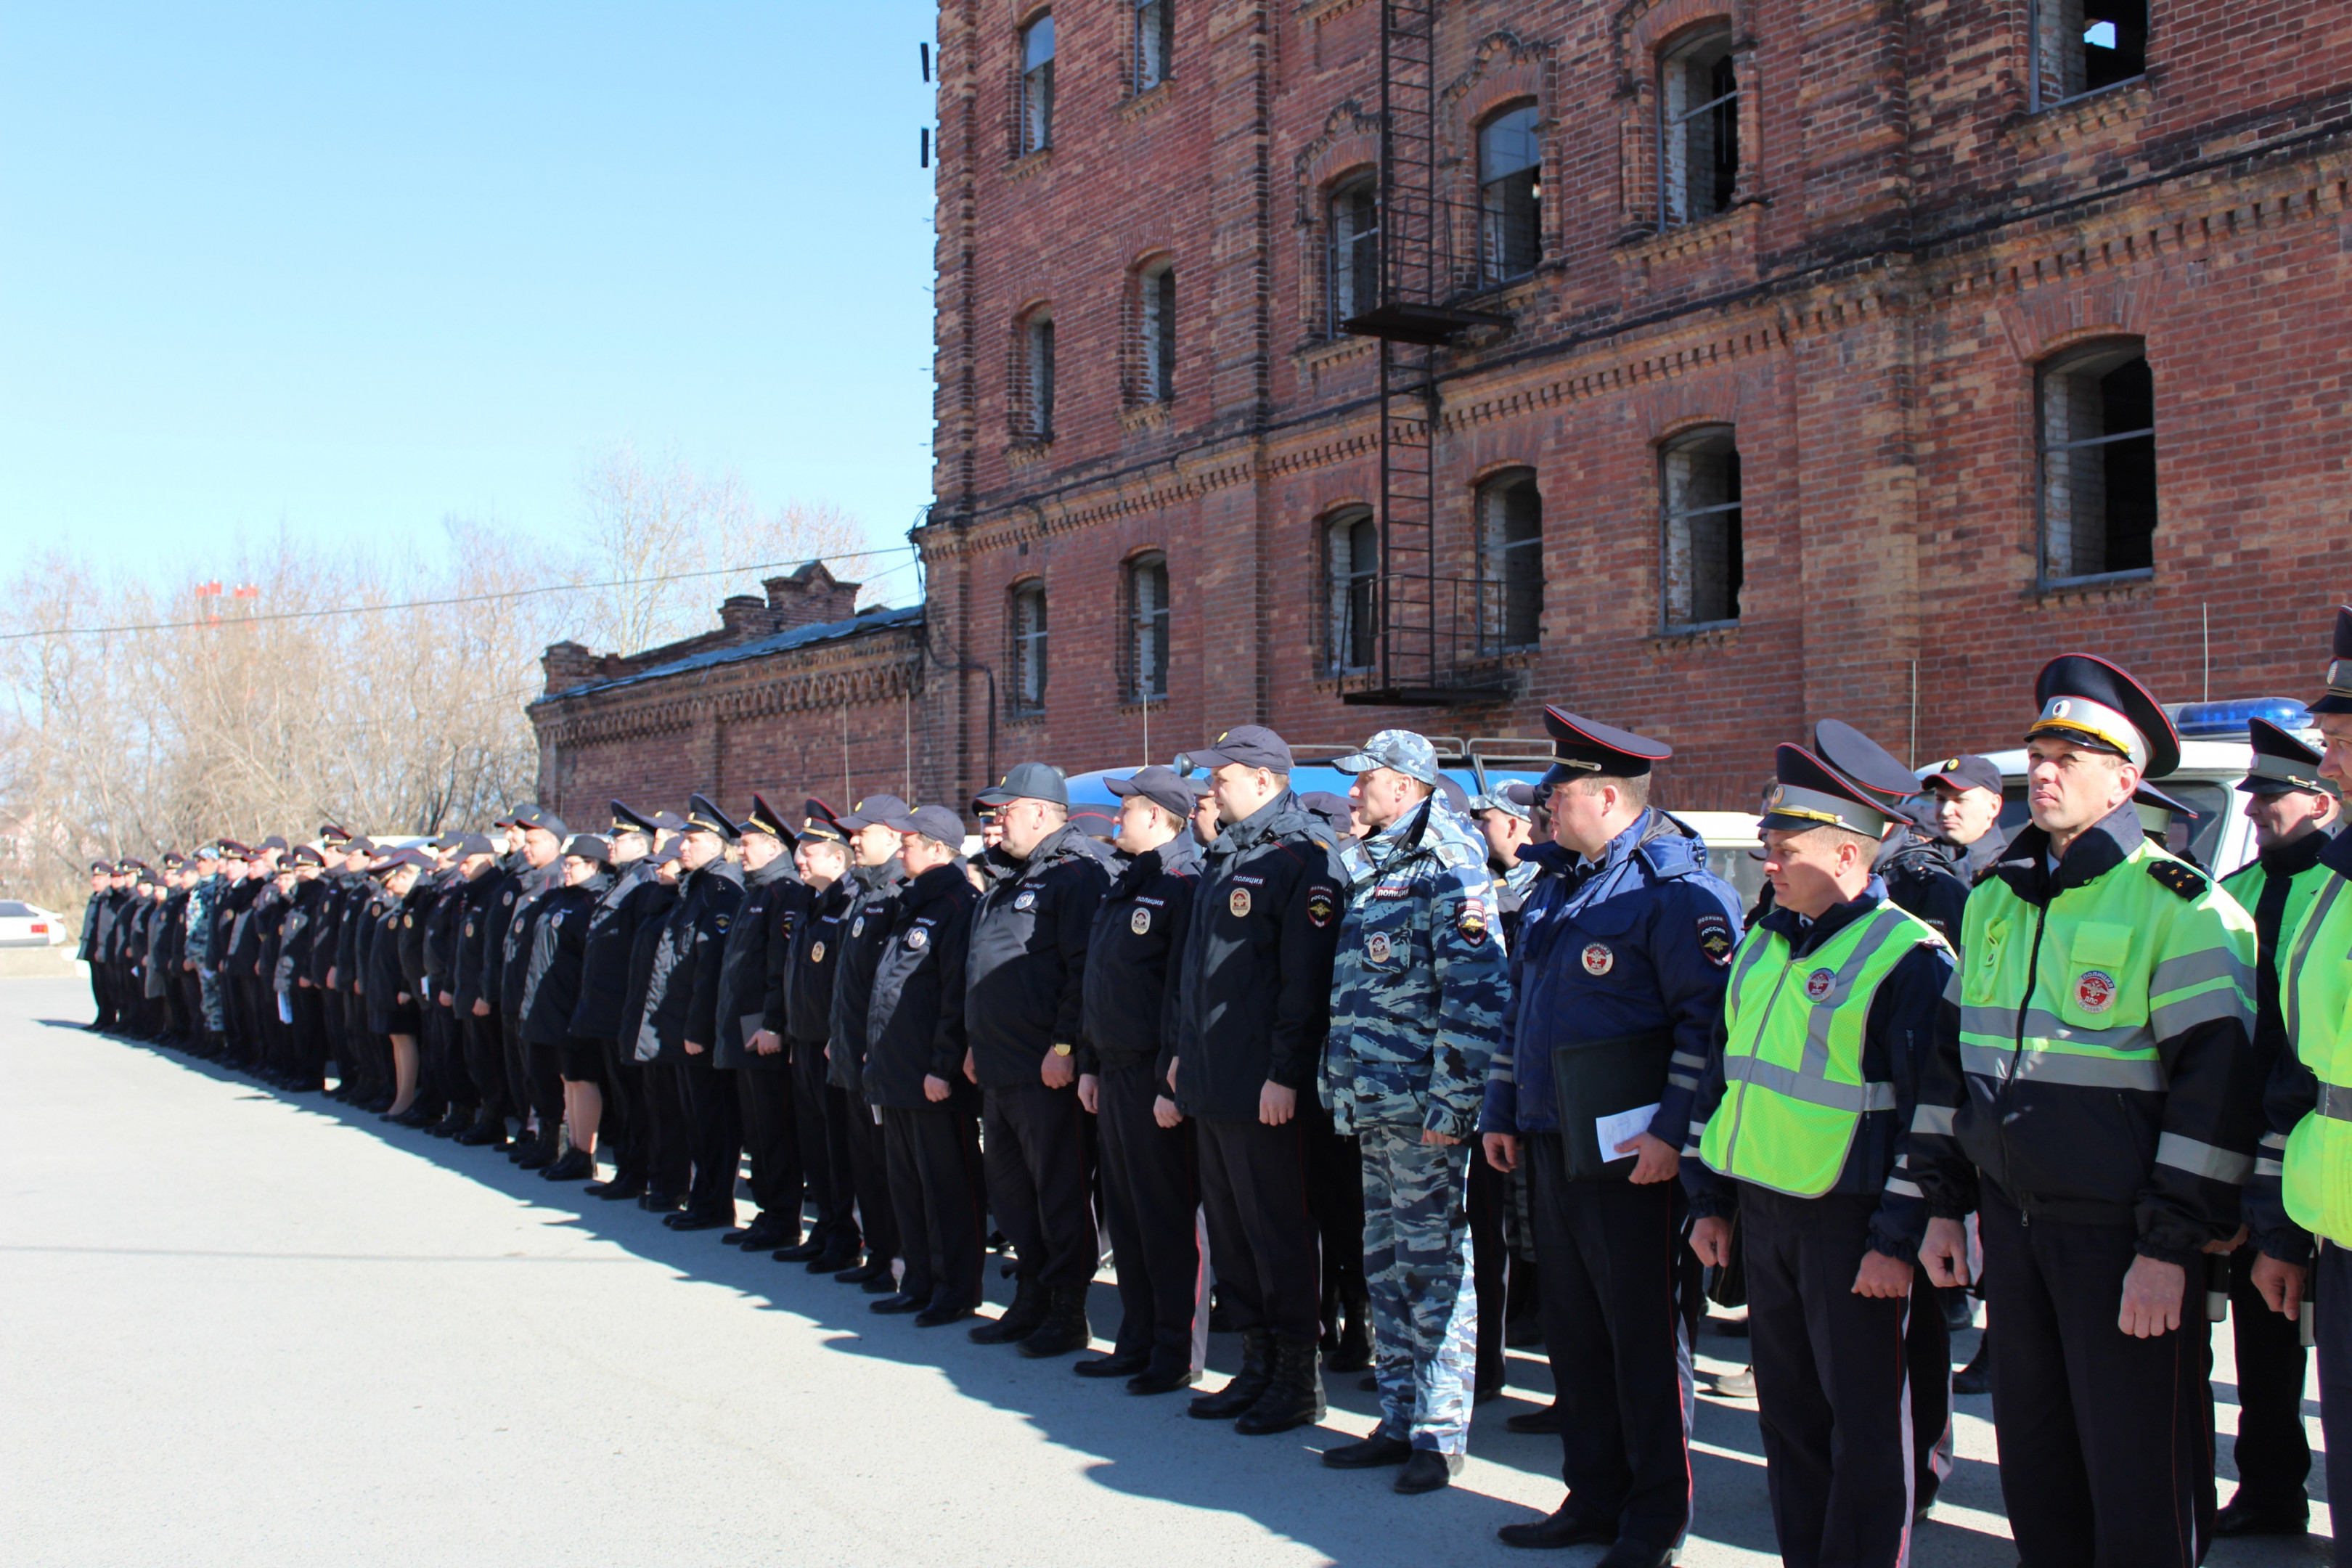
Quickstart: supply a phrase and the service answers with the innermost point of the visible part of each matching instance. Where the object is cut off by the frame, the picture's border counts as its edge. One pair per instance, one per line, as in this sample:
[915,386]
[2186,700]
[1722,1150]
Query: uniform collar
[2096,850]
[2294,859]
[2337,856]
[1805,936]
[1259,824]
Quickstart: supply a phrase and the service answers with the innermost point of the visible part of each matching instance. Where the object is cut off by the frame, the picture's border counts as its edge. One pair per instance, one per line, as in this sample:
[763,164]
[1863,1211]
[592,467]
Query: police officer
[878,878]
[683,1021]
[633,896]
[915,1047]
[1416,1011]
[489,872]
[1967,798]
[823,858]
[1503,1257]
[463,856]
[1802,1123]
[1151,1173]
[747,1049]
[1265,924]
[534,1072]
[1617,987]
[93,914]
[2296,810]
[560,936]
[2300,1195]
[1023,1016]
[2092,1059]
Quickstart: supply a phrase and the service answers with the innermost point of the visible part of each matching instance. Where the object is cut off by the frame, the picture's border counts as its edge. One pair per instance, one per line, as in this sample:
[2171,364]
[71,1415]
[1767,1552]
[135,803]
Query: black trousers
[773,1135]
[621,1129]
[2104,1443]
[307,1037]
[1927,1349]
[933,1156]
[824,1168]
[1490,1268]
[1335,1197]
[1151,1192]
[1832,1382]
[1261,1239]
[1620,1304]
[486,1061]
[102,1009]
[714,1132]
[2332,1321]
[2273,1455]
[1038,1182]
[869,1166]
[515,1059]
[668,1157]
[542,1072]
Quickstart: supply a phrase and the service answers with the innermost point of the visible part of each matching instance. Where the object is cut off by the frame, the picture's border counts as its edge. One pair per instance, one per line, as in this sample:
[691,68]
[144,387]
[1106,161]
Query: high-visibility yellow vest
[1794,1090]
[2315,995]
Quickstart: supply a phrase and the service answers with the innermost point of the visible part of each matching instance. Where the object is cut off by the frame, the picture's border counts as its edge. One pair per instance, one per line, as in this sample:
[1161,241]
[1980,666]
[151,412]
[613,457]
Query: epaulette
[2184,881]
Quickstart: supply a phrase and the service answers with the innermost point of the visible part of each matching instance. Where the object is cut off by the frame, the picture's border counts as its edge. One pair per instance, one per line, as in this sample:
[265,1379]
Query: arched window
[1146,608]
[1156,319]
[1510,561]
[1155,42]
[2096,422]
[1699,128]
[1037,84]
[1352,262]
[1351,546]
[1036,376]
[1510,195]
[1028,625]
[1701,569]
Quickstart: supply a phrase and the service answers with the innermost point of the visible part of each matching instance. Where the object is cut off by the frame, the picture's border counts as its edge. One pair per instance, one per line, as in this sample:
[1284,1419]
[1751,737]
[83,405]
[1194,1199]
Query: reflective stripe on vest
[1793,1090]
[2315,997]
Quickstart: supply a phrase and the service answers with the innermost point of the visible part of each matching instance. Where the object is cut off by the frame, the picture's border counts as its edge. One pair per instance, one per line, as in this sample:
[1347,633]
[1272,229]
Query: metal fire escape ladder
[1418,641]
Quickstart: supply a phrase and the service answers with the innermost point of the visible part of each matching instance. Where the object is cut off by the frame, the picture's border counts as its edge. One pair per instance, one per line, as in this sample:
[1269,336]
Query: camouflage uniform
[1417,1008]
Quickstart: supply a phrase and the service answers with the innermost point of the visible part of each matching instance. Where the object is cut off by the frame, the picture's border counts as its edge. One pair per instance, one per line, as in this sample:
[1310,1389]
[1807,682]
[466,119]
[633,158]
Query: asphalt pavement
[243,1327]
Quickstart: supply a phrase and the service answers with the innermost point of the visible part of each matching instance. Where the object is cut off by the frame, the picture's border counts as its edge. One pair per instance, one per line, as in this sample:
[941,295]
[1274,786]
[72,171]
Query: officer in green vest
[2094,1084]
[2303,1186]
[1803,1123]
[2295,812]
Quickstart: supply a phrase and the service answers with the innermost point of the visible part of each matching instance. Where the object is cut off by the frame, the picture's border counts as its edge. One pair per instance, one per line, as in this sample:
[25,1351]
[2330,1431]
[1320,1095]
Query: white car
[29,925]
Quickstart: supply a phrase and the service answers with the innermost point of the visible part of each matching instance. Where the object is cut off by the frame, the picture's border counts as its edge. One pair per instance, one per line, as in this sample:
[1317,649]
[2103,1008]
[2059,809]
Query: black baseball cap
[540,817]
[1028,780]
[933,822]
[874,808]
[1162,786]
[1250,745]
[588,846]
[1966,772]
[399,858]
[1337,810]
[469,845]
[2337,698]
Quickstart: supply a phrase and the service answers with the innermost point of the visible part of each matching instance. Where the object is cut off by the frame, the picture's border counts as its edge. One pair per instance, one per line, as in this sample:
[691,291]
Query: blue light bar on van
[2197,720]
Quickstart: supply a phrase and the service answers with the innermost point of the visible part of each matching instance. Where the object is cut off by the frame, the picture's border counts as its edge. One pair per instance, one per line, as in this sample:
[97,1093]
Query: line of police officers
[2042,1057]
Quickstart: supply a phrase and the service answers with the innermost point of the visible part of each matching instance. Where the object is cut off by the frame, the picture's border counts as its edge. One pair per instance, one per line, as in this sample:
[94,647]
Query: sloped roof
[874,620]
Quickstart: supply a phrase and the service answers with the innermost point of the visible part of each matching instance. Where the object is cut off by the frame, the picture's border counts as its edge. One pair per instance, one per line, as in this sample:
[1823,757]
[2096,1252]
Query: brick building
[1710,366]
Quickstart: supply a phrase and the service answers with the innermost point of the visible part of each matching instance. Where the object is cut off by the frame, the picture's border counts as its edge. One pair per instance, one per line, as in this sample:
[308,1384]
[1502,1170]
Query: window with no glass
[1037,84]
[1699,128]
[1354,262]
[1701,569]
[1155,42]
[1351,542]
[1028,618]
[1510,195]
[1147,600]
[1156,315]
[1510,561]
[2097,495]
[2082,46]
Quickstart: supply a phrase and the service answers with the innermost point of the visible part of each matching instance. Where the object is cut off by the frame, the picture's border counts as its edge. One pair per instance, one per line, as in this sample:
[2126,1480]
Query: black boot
[1293,1396]
[1257,1358]
[489,1131]
[1066,1328]
[1021,1319]
[1976,1377]
[577,1165]
[461,1117]
[624,1184]
[1355,1350]
[538,1156]
[1164,1375]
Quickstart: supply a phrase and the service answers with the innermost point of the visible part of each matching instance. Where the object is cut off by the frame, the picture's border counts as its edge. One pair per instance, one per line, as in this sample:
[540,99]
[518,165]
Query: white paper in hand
[1611,1130]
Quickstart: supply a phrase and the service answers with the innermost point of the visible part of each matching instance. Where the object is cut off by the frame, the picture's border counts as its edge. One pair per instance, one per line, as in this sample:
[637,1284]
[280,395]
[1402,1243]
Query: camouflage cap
[1398,750]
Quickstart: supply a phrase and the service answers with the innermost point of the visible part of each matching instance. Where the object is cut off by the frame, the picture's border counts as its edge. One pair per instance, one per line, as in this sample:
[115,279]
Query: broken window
[1155,42]
[1699,128]
[2097,424]
[1701,568]
[1510,561]
[1037,84]
[1158,320]
[1029,647]
[1147,597]
[2082,45]
[1352,548]
[1510,195]
[1354,284]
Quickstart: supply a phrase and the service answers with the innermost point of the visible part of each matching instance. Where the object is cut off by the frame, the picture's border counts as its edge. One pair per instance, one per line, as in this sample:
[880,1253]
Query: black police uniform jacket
[658,898]
[559,948]
[470,978]
[1137,936]
[1024,979]
[1920,879]
[772,897]
[442,923]
[809,968]
[1253,999]
[634,891]
[495,906]
[691,937]
[915,1019]
[865,927]
[530,895]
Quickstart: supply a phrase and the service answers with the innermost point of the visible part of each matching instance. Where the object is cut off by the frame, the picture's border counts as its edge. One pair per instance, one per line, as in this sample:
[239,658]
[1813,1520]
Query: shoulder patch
[1319,905]
[1714,935]
[2181,880]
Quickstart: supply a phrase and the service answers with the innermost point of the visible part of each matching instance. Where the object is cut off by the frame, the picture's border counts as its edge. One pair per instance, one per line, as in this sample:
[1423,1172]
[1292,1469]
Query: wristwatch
[1063,1049]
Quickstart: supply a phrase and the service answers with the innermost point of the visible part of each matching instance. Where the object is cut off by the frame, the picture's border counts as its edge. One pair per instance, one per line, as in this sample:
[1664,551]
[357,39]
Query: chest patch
[857,927]
[1025,899]
[1140,923]
[816,953]
[720,922]
[2096,991]
[1818,983]
[1239,903]
[1598,958]
[509,897]
[918,940]
[470,928]
[1378,948]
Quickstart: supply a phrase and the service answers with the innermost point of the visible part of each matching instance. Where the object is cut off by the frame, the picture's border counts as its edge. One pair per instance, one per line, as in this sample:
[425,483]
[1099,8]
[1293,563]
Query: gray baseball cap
[1160,785]
[1027,780]
[933,822]
[1400,750]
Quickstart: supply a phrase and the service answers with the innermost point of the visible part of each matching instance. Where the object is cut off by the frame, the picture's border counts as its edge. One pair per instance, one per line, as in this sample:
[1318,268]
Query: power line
[437,604]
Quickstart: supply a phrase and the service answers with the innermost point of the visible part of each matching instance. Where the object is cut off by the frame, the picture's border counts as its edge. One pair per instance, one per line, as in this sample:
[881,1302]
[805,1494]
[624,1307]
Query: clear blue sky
[347,269]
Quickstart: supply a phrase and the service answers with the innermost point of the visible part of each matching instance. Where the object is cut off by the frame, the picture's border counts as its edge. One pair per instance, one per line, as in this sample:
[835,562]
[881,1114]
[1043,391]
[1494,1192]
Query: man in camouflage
[1417,1008]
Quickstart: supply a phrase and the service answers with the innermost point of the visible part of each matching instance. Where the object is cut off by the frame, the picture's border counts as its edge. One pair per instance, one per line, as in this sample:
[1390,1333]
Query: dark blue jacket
[1026,974]
[1639,944]
[1139,931]
[915,1018]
